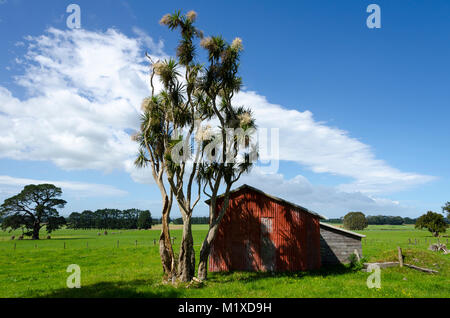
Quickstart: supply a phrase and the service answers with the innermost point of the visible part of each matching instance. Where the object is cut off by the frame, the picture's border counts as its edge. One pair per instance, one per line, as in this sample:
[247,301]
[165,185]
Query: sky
[362,113]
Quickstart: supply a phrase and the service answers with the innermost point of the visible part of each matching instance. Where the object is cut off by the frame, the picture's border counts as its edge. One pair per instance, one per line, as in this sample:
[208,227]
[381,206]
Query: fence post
[400,256]
[356,254]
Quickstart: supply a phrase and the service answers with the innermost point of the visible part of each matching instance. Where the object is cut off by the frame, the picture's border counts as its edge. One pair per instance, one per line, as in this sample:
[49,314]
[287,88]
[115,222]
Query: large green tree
[33,208]
[355,221]
[433,222]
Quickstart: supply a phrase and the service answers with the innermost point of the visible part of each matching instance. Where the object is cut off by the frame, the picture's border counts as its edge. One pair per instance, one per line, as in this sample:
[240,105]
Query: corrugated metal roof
[342,230]
[246,186]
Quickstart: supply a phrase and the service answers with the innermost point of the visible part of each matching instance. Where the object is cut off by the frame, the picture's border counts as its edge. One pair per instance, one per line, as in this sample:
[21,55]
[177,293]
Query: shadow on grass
[252,276]
[67,238]
[120,289]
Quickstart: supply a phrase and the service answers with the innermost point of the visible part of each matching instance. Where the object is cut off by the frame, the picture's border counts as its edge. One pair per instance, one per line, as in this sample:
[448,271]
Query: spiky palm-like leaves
[167,71]
[205,93]
[178,98]
[186,48]
[141,160]
[152,138]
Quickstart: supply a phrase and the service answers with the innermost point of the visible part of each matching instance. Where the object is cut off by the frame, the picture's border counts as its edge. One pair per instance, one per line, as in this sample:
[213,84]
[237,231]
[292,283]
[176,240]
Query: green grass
[38,268]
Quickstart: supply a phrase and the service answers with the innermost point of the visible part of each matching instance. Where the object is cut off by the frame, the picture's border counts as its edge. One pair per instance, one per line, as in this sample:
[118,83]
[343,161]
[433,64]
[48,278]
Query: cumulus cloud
[326,200]
[10,186]
[83,93]
[326,149]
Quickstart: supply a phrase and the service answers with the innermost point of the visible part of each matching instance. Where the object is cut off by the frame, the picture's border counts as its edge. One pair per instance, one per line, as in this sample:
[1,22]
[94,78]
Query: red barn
[260,232]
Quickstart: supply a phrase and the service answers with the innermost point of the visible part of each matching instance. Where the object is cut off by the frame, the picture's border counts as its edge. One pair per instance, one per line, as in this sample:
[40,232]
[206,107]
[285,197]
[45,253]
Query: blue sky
[379,97]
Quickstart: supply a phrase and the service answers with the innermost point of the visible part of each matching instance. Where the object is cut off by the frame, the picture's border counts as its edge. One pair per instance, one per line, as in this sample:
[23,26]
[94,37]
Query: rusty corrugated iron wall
[259,233]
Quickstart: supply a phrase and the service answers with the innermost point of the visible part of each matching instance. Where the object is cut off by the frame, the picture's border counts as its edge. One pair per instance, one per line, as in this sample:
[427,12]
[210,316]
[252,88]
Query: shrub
[433,222]
[355,221]
[355,264]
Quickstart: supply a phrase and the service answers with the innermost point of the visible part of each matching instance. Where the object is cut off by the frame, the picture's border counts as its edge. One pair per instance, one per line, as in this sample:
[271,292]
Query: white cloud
[326,149]
[84,91]
[10,186]
[141,175]
[326,200]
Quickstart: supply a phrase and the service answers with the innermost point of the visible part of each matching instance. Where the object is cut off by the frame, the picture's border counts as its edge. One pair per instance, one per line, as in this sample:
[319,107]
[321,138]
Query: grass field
[114,266]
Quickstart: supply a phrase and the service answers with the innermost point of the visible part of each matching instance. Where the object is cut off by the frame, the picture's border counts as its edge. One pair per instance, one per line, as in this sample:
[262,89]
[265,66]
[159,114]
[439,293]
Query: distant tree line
[379,220]
[110,219]
[334,221]
[194,220]
[434,222]
[389,220]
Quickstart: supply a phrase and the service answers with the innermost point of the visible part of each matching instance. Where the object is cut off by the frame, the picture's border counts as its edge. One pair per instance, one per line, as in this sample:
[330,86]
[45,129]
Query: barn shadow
[119,289]
[329,258]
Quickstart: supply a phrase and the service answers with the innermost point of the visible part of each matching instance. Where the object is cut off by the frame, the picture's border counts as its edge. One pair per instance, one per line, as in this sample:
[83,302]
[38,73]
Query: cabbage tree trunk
[216,217]
[186,260]
[165,245]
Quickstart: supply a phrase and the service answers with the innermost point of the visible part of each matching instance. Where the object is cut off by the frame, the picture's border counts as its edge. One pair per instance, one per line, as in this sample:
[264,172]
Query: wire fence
[90,243]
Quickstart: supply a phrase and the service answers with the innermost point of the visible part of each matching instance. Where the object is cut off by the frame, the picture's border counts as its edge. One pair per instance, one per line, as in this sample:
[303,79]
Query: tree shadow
[119,289]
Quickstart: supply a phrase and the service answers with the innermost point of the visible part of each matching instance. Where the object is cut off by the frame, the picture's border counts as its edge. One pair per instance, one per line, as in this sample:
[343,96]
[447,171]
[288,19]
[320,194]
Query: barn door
[267,251]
